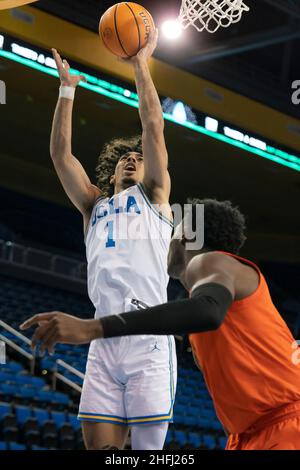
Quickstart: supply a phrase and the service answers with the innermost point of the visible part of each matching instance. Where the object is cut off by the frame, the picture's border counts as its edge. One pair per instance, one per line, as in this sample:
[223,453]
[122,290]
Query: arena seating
[42,420]
[33,416]
[33,421]
[29,220]
[21,299]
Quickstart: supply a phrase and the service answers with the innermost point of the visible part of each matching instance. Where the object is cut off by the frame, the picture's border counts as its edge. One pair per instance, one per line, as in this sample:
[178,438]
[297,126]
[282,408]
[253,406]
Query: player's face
[176,256]
[130,169]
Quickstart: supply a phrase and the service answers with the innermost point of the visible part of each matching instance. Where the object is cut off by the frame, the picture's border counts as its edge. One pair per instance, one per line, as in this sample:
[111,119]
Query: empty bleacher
[33,416]
[37,420]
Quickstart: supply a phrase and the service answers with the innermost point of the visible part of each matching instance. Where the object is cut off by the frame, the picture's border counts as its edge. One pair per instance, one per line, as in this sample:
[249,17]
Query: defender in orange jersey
[242,345]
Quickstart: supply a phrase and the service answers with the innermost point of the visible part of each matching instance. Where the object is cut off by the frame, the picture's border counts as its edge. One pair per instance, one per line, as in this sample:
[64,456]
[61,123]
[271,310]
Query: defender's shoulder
[212,260]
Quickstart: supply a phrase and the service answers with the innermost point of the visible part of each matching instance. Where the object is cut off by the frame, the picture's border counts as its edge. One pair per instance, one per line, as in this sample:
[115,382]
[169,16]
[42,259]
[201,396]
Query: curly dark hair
[109,157]
[224,225]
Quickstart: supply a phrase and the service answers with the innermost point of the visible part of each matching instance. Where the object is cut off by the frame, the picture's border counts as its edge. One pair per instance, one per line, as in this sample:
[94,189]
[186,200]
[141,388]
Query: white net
[211,14]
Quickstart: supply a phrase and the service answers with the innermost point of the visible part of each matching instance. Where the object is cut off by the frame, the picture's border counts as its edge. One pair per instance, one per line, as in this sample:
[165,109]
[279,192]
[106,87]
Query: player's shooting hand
[146,52]
[66,78]
[58,327]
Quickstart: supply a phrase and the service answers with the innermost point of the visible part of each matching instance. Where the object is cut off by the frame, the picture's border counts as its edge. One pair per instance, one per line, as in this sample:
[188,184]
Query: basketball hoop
[211,14]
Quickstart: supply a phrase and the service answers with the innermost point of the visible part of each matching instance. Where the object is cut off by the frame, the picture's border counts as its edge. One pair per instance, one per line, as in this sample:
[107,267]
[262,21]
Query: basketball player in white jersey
[130,381]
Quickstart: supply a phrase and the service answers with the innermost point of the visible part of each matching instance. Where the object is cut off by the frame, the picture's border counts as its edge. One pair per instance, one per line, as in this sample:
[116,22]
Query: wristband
[67,92]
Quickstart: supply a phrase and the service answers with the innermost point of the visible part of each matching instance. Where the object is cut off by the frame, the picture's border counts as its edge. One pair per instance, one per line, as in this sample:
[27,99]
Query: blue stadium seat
[73,378]
[209,441]
[38,381]
[191,421]
[61,398]
[22,414]
[182,399]
[179,419]
[75,423]
[207,402]
[194,439]
[203,393]
[179,408]
[4,409]
[16,446]
[207,413]
[193,411]
[188,393]
[82,369]
[191,382]
[41,415]
[59,418]
[223,441]
[38,448]
[9,389]
[27,392]
[202,386]
[23,379]
[216,425]
[5,377]
[3,445]
[180,437]
[181,381]
[197,375]
[48,363]
[196,402]
[204,423]
[14,366]
[184,372]
[7,334]
[45,395]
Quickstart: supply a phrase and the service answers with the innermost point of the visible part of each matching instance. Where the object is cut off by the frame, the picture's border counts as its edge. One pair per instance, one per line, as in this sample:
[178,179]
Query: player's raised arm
[72,175]
[156,179]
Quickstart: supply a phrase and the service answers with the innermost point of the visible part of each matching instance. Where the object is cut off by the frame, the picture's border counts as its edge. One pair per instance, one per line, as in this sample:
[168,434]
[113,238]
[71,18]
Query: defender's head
[120,165]
[224,230]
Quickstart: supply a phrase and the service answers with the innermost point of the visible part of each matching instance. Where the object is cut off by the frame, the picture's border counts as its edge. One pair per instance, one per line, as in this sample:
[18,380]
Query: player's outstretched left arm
[211,277]
[156,179]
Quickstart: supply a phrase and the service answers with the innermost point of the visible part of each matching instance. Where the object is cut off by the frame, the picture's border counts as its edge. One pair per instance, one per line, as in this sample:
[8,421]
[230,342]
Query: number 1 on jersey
[110,238]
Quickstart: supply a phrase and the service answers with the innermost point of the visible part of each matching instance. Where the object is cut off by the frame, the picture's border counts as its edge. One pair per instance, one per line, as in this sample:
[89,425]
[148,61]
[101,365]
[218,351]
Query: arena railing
[58,376]
[41,260]
[59,362]
[15,346]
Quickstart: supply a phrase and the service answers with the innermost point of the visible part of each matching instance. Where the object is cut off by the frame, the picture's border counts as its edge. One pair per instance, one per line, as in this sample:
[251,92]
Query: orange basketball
[124,28]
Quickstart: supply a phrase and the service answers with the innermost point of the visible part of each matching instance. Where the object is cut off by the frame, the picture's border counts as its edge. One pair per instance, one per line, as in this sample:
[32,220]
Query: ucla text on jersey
[122,217]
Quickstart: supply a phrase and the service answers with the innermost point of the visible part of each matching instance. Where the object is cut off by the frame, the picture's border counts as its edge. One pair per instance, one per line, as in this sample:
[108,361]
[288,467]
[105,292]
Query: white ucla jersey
[127,243]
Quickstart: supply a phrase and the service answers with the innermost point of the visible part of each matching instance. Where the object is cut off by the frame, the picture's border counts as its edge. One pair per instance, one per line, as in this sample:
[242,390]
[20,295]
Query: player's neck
[122,187]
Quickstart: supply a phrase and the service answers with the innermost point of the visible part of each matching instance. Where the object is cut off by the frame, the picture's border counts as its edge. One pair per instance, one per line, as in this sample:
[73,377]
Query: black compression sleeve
[204,311]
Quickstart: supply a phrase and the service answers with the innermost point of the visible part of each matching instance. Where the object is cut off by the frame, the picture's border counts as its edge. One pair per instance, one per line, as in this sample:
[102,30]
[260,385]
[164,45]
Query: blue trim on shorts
[102,414]
[101,418]
[95,418]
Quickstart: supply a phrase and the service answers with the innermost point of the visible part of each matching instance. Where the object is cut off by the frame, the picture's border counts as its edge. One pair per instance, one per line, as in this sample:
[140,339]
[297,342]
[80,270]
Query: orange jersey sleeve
[249,362]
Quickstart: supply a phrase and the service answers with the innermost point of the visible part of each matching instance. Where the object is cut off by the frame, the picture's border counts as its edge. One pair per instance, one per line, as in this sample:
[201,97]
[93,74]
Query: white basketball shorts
[130,380]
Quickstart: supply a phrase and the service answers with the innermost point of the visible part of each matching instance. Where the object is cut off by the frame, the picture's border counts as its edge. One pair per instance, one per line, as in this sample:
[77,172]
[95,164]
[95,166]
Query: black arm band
[204,311]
